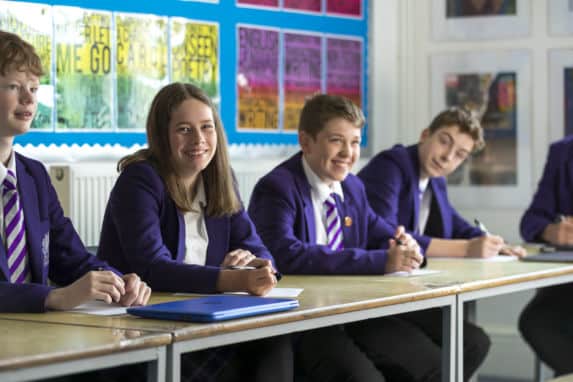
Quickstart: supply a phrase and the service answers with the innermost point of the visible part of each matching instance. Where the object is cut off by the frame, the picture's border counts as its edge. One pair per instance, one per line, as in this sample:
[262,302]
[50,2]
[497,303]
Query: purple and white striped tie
[333,226]
[15,231]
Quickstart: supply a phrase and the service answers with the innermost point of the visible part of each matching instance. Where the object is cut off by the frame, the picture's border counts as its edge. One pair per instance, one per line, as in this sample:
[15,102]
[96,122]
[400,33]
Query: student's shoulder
[562,146]
[398,158]
[32,166]
[141,172]
[283,175]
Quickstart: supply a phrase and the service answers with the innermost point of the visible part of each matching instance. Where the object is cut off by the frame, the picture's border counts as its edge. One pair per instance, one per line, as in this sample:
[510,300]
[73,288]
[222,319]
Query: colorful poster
[33,22]
[257,78]
[302,74]
[344,68]
[472,8]
[493,97]
[344,7]
[195,55]
[568,94]
[303,5]
[84,90]
[260,3]
[141,65]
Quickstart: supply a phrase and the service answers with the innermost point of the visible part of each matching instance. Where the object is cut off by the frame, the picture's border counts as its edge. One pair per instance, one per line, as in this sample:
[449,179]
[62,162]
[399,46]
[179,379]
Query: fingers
[261,281]
[238,257]
[104,285]
[400,231]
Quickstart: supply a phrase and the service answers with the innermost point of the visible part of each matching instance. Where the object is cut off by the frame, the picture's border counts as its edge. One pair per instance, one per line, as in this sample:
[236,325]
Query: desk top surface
[26,344]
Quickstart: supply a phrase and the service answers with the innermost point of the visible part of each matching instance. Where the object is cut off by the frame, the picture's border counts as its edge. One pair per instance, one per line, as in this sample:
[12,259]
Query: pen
[398,241]
[481,226]
[559,218]
[278,275]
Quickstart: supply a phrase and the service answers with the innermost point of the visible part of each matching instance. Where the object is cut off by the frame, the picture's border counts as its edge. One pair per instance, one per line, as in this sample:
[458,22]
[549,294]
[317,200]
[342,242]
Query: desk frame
[471,296]
[447,303]
[156,356]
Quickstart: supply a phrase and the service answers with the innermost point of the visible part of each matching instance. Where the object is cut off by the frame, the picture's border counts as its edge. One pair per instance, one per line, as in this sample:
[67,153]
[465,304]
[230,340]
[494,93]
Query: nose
[26,95]
[345,149]
[448,155]
[197,136]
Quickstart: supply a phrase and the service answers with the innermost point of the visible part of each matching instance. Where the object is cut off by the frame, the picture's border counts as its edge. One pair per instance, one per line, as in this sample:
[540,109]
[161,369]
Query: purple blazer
[391,180]
[144,232]
[554,195]
[55,250]
[281,207]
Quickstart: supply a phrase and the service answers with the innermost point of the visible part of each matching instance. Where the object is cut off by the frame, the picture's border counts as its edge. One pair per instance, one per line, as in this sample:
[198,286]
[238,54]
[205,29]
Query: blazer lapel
[27,193]
[304,189]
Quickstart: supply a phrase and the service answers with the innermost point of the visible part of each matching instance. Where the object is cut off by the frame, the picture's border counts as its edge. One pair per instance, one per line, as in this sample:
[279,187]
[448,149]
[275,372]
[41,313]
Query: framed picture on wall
[560,93]
[497,87]
[560,17]
[480,19]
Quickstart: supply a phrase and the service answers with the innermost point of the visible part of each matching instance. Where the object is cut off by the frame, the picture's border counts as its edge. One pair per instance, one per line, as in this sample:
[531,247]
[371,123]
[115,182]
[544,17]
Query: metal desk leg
[156,369]
[449,343]
[174,363]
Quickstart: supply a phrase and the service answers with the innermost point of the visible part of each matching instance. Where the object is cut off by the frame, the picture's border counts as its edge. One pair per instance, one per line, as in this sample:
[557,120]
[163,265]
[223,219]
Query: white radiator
[83,189]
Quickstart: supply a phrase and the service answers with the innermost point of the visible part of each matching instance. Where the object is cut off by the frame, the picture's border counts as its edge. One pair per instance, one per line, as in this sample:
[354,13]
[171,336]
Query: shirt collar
[322,189]
[423,184]
[11,166]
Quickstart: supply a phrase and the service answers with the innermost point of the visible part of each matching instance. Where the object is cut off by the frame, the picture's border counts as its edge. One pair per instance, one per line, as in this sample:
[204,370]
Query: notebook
[556,257]
[214,308]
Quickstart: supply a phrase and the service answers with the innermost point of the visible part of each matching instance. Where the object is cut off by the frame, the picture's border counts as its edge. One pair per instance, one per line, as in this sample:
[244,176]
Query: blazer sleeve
[136,204]
[23,298]
[244,236]
[543,208]
[273,208]
[462,229]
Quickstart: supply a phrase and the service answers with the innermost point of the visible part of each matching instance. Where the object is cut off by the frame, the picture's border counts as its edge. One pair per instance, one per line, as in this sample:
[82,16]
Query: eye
[208,126]
[34,89]
[183,129]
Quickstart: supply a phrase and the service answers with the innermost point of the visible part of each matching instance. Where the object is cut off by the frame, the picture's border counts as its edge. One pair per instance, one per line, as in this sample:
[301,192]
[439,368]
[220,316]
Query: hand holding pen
[490,245]
[404,253]
[560,232]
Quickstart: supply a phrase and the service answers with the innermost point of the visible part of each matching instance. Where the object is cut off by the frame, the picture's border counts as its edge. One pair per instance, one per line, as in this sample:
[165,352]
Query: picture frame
[560,17]
[560,93]
[480,20]
[496,85]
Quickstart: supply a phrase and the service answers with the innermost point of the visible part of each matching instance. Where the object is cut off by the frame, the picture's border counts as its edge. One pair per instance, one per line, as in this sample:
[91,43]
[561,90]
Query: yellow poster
[195,54]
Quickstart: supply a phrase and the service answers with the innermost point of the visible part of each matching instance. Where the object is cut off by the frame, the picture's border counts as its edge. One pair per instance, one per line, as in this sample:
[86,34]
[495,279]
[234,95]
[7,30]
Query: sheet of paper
[495,259]
[415,272]
[275,292]
[99,308]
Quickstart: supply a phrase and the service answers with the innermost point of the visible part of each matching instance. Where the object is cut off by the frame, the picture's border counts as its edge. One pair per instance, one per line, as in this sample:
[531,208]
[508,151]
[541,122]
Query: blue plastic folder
[214,308]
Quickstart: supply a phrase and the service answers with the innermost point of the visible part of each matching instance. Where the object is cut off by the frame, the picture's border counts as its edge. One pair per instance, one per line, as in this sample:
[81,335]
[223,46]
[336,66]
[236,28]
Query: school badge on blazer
[347,221]
[46,249]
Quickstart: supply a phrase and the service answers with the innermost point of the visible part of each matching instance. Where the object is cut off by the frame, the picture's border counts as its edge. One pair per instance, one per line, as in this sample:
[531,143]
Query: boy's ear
[424,134]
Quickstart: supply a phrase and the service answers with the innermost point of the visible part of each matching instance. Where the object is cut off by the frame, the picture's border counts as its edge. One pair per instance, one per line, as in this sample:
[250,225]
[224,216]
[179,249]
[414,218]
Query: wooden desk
[564,378]
[33,350]
[481,279]
[325,301]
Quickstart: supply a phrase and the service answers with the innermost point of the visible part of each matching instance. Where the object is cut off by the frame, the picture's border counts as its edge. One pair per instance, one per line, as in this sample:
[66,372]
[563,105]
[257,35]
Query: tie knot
[330,201]
[10,181]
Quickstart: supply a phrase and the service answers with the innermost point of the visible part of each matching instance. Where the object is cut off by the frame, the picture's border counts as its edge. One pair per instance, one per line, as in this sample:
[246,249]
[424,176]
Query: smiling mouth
[23,115]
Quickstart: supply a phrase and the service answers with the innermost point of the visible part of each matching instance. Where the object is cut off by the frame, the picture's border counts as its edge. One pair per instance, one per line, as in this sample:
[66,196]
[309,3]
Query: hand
[238,257]
[559,233]
[254,281]
[484,246]
[136,291]
[513,250]
[402,259]
[407,240]
[94,285]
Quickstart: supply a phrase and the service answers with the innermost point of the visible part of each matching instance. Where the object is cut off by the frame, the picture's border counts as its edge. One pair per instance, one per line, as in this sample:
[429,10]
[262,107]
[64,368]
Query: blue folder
[214,308]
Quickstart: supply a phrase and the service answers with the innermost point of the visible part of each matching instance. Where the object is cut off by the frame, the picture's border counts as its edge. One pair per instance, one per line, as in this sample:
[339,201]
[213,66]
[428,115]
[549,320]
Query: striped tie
[333,226]
[16,252]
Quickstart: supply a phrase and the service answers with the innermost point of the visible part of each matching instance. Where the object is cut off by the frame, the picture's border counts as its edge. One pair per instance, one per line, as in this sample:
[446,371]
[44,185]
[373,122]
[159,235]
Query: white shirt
[425,195]
[196,237]
[319,192]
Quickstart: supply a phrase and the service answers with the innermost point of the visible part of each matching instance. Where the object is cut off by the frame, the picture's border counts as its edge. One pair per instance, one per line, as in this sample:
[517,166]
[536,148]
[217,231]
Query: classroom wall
[401,107]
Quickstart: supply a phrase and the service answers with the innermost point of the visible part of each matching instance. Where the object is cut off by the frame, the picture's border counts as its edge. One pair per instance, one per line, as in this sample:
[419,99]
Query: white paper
[415,272]
[99,308]
[275,292]
[494,259]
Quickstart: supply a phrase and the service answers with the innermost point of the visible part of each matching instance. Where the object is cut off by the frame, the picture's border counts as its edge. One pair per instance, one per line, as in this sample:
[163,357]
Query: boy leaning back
[314,217]
[38,242]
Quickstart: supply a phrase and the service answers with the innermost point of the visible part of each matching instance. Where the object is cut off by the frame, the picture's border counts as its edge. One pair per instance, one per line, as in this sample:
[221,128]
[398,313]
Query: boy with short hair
[38,241]
[407,186]
[314,217]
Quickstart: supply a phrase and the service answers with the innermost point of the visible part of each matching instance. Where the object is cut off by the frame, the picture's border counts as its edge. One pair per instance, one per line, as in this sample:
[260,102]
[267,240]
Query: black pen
[559,218]
[278,275]
[398,241]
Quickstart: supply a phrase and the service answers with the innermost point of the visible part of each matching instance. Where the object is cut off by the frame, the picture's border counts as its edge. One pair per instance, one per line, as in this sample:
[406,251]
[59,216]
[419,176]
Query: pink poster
[303,5]
[344,68]
[260,3]
[302,74]
[257,78]
[344,7]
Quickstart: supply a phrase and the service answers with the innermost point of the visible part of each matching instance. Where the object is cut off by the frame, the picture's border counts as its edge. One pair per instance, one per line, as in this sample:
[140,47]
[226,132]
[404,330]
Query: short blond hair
[322,108]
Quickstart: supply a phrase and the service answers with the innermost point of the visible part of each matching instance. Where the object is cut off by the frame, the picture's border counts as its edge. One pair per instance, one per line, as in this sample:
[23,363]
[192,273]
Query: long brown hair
[217,177]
